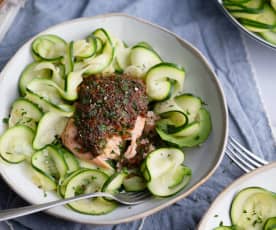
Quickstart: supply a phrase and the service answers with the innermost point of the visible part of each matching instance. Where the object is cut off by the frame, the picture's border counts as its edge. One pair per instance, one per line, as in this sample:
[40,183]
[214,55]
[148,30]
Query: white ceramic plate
[219,210]
[200,80]
[243,29]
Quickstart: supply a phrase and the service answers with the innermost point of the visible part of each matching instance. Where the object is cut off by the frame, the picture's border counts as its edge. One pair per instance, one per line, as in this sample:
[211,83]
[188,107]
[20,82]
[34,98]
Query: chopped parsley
[5,120]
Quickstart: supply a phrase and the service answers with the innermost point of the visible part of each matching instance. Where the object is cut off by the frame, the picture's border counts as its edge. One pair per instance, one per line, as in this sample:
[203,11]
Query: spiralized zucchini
[257,16]
[49,87]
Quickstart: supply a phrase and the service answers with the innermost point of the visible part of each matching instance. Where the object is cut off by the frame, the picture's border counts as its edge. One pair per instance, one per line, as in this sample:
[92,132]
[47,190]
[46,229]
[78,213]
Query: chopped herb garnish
[29,120]
[79,190]
[102,128]
[23,113]
[5,120]
[197,137]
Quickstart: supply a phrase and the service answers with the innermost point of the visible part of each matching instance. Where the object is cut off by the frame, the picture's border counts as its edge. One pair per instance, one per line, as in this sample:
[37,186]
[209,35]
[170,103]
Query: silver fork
[245,159]
[127,198]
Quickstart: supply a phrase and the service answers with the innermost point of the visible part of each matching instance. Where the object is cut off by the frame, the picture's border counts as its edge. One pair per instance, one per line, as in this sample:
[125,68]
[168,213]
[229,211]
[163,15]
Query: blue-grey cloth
[198,21]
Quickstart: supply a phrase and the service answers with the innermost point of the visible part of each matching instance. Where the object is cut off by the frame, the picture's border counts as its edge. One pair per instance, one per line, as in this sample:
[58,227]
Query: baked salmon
[110,114]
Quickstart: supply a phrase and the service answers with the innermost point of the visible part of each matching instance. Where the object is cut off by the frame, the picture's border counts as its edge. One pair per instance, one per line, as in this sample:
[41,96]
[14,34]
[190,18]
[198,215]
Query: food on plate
[97,115]
[252,208]
[109,112]
[258,16]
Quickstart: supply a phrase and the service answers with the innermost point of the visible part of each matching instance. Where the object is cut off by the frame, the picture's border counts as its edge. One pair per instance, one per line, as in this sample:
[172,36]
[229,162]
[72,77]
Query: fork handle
[23,211]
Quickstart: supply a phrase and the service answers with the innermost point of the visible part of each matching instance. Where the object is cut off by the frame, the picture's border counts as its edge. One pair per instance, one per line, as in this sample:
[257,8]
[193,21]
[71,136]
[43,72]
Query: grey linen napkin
[201,23]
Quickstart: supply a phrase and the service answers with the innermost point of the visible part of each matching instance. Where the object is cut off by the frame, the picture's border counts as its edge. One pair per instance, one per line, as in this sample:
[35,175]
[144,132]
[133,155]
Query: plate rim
[222,100]
[234,184]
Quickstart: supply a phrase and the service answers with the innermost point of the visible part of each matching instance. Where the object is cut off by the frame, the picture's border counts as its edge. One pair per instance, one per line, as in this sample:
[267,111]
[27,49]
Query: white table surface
[263,61]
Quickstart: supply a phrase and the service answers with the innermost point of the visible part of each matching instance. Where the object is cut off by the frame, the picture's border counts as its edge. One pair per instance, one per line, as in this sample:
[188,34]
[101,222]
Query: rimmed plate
[219,210]
[200,80]
[243,29]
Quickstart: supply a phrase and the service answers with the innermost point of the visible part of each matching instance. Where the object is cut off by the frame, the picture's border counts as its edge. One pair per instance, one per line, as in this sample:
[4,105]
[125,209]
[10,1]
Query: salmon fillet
[110,113]
[112,148]
[68,138]
[135,133]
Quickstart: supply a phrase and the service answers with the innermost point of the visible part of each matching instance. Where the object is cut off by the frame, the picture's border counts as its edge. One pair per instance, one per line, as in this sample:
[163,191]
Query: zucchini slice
[30,72]
[273,4]
[251,6]
[49,47]
[256,29]
[50,163]
[189,104]
[46,106]
[84,49]
[236,1]
[251,207]
[16,144]
[43,181]
[89,165]
[44,88]
[62,186]
[134,71]
[70,160]
[270,36]
[205,126]
[52,92]
[186,103]
[99,44]
[57,72]
[114,183]
[68,59]
[164,80]
[162,160]
[173,121]
[176,118]
[224,228]
[60,70]
[50,126]
[134,183]
[86,182]
[24,112]
[100,62]
[73,80]
[188,130]
[177,176]
[144,44]
[265,19]
[270,224]
[170,182]
[144,57]
[122,59]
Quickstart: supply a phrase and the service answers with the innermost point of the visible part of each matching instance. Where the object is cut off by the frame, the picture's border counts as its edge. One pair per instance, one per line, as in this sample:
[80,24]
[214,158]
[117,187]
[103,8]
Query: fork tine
[237,161]
[132,199]
[142,196]
[235,142]
[133,196]
[239,153]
